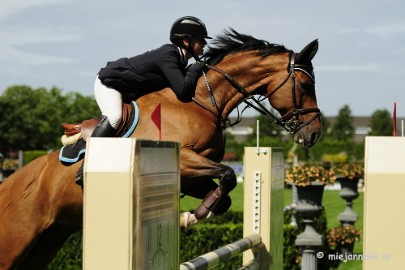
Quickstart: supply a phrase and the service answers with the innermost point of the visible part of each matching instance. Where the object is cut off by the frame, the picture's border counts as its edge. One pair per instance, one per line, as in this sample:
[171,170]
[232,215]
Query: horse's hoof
[187,220]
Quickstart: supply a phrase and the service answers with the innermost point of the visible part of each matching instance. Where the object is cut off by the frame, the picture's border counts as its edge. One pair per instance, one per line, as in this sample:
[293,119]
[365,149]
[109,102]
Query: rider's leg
[110,103]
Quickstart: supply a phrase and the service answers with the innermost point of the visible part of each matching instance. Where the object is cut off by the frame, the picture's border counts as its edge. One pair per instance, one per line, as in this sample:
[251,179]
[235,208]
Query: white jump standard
[131,205]
[262,218]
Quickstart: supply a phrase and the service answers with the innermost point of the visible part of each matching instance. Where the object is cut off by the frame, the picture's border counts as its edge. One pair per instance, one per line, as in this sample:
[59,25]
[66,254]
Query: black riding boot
[103,129]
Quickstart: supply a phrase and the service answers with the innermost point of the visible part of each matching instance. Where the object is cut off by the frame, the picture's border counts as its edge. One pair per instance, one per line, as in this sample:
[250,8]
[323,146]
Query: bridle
[289,121]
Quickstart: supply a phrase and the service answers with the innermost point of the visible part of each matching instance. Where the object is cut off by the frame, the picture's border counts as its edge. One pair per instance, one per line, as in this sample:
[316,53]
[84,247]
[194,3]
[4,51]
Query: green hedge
[204,238]
[70,256]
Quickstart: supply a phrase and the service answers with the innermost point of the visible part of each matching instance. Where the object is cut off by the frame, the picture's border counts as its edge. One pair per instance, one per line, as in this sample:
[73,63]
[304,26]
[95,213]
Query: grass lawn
[332,203]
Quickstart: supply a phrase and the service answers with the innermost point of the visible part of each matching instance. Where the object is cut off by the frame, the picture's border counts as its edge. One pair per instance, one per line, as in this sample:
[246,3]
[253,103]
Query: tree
[30,118]
[381,123]
[343,128]
[79,107]
[335,140]
[270,134]
[325,126]
[268,127]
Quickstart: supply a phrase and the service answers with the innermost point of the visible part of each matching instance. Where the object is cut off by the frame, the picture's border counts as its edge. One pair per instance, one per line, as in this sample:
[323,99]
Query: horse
[41,205]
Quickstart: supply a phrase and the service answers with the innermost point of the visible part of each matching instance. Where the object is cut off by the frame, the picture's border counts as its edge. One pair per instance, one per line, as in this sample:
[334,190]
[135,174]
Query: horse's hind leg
[217,201]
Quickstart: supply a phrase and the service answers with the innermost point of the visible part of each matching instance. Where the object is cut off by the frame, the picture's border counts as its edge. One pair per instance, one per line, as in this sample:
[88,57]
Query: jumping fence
[131,208]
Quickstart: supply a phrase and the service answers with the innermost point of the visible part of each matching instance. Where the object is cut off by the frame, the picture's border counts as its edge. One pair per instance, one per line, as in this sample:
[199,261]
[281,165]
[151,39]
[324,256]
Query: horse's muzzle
[306,140]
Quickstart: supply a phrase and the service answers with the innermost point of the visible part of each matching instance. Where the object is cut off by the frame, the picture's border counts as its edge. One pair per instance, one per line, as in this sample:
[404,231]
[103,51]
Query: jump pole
[131,204]
[263,215]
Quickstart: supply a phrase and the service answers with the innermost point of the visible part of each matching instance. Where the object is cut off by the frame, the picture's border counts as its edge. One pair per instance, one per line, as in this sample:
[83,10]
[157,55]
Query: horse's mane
[231,42]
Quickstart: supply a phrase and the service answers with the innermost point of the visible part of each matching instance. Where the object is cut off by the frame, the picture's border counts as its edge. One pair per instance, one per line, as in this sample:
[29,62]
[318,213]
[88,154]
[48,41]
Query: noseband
[289,121]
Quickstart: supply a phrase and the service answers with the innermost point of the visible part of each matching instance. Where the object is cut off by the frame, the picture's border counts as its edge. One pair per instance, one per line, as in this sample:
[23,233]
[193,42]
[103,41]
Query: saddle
[76,135]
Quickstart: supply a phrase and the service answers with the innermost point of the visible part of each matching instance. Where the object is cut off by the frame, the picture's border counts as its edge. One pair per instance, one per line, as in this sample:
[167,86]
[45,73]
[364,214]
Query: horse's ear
[308,53]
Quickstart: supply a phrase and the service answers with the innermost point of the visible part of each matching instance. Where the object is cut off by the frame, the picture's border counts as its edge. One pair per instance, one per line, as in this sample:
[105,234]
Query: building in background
[361,125]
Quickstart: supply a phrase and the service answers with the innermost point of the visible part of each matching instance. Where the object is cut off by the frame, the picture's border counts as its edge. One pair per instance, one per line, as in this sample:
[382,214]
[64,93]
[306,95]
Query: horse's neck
[248,70]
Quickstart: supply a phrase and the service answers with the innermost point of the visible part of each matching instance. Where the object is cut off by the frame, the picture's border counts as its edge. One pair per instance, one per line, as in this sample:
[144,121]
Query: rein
[289,121]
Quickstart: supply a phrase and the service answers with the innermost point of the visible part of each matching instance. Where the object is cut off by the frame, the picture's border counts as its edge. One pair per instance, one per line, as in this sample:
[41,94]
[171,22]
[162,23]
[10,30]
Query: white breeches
[109,101]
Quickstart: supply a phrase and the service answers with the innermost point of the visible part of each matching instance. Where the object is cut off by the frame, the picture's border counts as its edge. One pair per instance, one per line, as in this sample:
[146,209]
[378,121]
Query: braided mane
[232,41]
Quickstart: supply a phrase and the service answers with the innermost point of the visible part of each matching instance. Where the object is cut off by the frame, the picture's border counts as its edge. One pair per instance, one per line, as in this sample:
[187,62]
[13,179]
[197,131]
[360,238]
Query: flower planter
[349,188]
[349,193]
[345,249]
[310,199]
[343,238]
[309,206]
[309,181]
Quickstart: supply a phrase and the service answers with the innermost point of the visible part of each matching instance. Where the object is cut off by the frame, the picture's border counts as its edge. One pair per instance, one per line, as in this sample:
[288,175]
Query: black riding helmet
[187,27]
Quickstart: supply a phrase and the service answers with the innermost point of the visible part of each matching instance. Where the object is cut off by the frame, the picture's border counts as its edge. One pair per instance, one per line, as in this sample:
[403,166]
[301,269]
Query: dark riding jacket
[152,71]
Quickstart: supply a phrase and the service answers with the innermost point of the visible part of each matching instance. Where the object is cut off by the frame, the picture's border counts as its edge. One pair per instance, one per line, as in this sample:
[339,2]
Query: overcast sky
[64,43]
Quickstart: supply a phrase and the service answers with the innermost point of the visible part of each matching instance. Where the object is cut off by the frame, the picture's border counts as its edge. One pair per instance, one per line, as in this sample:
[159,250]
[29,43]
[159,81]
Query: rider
[148,72]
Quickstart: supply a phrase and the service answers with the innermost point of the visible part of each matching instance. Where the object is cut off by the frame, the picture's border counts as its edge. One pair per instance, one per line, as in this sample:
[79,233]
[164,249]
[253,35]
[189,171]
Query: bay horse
[41,206]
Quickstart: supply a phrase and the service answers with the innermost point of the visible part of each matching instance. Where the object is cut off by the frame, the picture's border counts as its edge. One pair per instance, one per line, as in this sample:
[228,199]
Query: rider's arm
[182,81]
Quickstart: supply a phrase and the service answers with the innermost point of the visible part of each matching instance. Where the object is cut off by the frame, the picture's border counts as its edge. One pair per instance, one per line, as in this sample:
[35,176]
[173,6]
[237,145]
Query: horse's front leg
[217,200]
